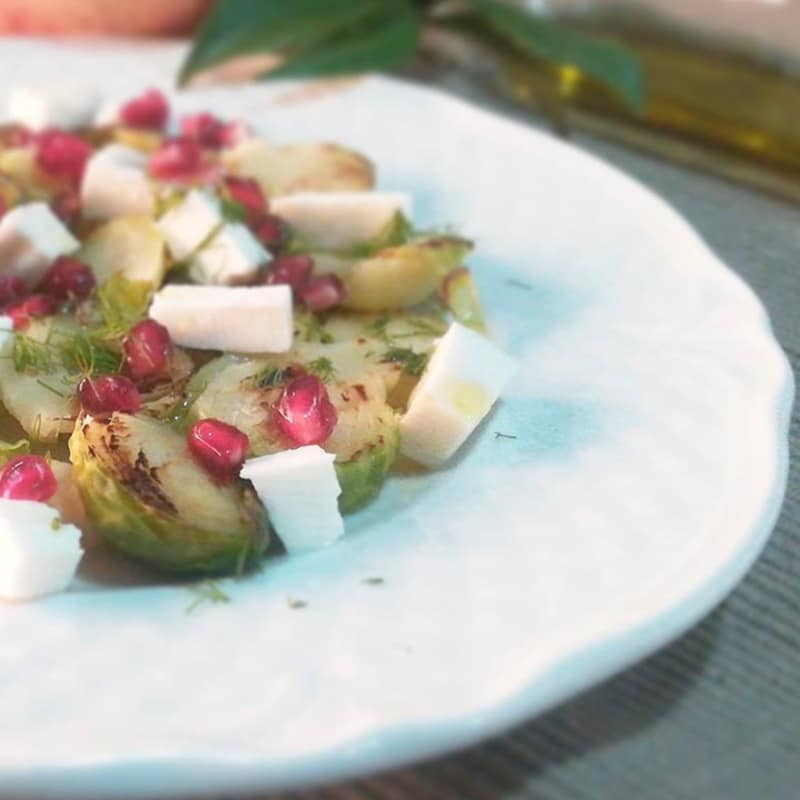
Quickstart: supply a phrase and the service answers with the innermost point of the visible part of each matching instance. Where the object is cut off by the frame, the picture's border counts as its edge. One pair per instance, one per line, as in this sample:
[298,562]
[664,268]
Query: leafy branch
[314,38]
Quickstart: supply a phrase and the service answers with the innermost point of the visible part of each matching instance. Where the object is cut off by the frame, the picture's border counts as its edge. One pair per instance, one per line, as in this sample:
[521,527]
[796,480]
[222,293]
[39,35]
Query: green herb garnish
[413,363]
[206,592]
[323,368]
[272,376]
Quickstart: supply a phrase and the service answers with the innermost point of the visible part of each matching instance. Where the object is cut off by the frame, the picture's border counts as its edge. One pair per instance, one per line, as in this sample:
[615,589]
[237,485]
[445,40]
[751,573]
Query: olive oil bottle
[726,110]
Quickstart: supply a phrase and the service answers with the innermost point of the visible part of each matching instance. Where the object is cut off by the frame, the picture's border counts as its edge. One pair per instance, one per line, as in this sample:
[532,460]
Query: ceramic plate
[626,482]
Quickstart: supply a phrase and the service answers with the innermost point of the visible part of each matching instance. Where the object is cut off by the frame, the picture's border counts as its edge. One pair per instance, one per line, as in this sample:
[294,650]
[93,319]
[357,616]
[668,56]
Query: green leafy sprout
[313,38]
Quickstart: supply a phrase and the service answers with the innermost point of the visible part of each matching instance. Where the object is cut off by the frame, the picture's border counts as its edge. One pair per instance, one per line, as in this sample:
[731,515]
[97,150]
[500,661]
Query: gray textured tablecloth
[716,715]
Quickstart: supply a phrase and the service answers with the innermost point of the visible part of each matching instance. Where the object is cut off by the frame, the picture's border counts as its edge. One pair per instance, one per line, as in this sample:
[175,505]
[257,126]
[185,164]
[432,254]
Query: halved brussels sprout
[402,276]
[131,246]
[145,494]
[242,392]
[34,386]
[299,167]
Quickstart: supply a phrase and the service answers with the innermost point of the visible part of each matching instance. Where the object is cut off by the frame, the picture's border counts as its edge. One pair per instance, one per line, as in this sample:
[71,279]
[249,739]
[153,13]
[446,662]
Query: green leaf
[610,63]
[243,27]
[380,43]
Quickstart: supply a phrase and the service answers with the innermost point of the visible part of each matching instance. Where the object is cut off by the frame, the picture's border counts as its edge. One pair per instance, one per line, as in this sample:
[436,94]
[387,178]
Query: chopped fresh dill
[374,581]
[50,388]
[413,363]
[55,523]
[272,376]
[519,284]
[315,330]
[499,435]
[81,354]
[32,356]
[378,328]
[206,592]
[323,368]
[122,303]
[295,603]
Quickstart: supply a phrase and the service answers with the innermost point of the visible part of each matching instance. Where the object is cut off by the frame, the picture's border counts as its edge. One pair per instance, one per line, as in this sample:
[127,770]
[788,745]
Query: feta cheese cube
[188,224]
[244,319]
[38,553]
[58,105]
[233,254]
[299,489]
[31,236]
[337,220]
[464,377]
[115,184]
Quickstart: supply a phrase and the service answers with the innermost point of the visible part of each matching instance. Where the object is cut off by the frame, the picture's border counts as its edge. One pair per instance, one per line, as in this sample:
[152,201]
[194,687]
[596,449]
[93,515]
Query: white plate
[650,417]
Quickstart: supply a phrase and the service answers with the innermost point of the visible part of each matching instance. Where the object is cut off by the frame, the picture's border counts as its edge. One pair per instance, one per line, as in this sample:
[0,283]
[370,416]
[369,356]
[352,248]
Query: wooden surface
[716,715]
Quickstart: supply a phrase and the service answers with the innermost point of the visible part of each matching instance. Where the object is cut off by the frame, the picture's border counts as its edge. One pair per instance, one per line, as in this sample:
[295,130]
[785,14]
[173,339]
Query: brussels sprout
[402,276]
[144,493]
[299,167]
[132,246]
[242,392]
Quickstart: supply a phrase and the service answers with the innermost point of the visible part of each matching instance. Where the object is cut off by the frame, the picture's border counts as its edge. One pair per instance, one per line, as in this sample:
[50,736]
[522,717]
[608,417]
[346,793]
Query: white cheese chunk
[244,319]
[115,184]
[299,489]
[337,220]
[58,105]
[232,255]
[38,553]
[31,237]
[188,224]
[464,377]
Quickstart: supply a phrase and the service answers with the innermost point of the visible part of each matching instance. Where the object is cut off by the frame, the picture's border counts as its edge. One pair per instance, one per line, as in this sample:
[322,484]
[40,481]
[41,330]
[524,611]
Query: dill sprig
[412,363]
[122,303]
[323,368]
[206,592]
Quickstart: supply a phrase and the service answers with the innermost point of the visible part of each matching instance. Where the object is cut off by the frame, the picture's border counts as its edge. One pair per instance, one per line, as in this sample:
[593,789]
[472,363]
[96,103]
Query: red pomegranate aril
[109,393]
[67,207]
[181,160]
[12,289]
[247,193]
[304,411]
[147,348]
[270,230]
[62,155]
[211,131]
[36,305]
[149,110]
[68,279]
[218,448]
[294,270]
[323,292]
[27,478]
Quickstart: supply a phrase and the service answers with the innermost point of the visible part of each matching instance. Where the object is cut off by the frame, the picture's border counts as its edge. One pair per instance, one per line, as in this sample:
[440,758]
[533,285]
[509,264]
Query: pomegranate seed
[67,207]
[147,348]
[219,448]
[62,154]
[294,270]
[323,292]
[109,393]
[211,131]
[304,411]
[247,192]
[23,311]
[181,160]
[270,230]
[68,279]
[148,110]
[27,478]
[12,288]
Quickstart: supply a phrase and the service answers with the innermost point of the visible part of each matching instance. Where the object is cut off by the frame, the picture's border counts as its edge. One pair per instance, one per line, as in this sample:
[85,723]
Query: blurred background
[713,84]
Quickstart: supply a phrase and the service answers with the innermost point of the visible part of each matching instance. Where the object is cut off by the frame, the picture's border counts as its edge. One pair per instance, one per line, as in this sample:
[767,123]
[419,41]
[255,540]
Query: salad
[212,347]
